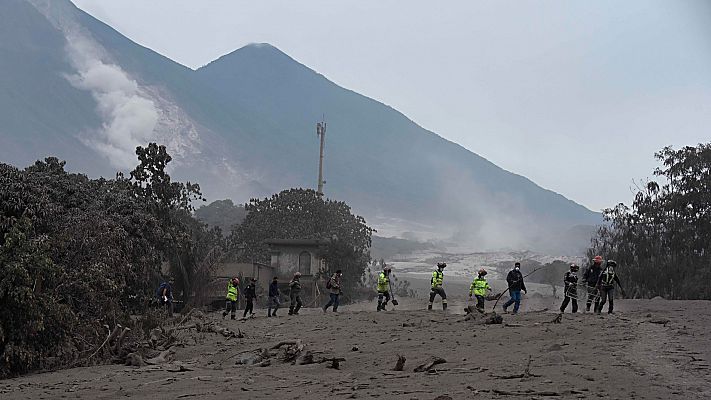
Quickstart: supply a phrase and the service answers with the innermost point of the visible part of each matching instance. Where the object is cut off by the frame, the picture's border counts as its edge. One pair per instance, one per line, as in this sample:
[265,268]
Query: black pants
[479,301]
[606,293]
[249,307]
[381,303]
[566,300]
[230,307]
[295,303]
[438,291]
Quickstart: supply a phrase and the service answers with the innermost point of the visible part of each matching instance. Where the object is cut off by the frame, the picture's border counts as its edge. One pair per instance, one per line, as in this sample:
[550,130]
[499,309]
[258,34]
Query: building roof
[297,242]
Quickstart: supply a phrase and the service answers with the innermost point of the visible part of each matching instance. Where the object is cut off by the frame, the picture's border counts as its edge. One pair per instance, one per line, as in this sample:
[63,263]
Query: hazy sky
[576,95]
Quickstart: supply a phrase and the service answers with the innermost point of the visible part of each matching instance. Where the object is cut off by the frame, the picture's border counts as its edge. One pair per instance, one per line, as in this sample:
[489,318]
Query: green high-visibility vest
[479,287]
[383,282]
[232,291]
[437,278]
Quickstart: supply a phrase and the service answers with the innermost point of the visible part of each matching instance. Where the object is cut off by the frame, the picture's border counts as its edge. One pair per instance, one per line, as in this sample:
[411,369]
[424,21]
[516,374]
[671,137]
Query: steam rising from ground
[128,118]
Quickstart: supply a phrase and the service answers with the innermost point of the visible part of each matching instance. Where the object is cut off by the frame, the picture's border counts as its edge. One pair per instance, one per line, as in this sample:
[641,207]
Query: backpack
[328,283]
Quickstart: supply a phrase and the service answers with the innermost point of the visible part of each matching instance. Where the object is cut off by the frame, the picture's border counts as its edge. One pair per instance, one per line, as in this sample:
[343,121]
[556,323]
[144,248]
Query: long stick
[392,293]
[500,295]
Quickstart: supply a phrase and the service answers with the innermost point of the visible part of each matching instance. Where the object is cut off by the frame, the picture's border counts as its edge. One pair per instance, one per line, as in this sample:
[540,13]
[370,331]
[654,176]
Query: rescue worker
[570,282]
[334,285]
[437,289]
[479,288]
[250,293]
[606,286]
[231,298]
[590,277]
[516,285]
[295,294]
[384,287]
[274,301]
[165,295]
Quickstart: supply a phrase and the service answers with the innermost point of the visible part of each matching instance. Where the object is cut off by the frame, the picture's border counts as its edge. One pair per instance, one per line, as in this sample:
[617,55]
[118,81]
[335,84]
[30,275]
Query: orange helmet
[597,259]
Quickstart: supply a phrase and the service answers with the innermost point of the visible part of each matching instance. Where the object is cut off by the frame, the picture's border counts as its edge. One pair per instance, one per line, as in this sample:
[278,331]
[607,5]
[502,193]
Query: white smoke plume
[128,118]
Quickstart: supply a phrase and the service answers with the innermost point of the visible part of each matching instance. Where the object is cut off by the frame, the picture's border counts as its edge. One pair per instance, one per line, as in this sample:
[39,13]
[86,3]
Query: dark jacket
[592,274]
[515,281]
[273,289]
[168,291]
[335,284]
[607,279]
[249,293]
[295,287]
[570,280]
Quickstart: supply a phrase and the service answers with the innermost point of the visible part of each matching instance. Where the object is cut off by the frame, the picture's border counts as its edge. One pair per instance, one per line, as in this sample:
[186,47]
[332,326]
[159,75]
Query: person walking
[250,293]
[295,294]
[570,282]
[590,277]
[274,301]
[231,298]
[165,295]
[606,286]
[479,288]
[437,288]
[516,285]
[384,287]
[334,285]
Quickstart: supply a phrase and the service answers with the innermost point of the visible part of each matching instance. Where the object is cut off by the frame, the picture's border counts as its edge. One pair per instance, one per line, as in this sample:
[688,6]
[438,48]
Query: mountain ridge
[243,126]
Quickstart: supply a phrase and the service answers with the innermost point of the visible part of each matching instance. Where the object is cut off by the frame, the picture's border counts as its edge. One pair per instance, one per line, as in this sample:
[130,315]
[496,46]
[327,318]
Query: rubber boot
[429,307]
[296,310]
[380,306]
[291,310]
[444,306]
[269,312]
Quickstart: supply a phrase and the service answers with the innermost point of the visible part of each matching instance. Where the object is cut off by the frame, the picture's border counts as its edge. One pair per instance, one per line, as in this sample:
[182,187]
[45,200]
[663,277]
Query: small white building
[291,255]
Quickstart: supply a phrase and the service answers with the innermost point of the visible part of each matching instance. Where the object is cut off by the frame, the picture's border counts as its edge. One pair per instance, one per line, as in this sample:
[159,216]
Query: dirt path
[634,354]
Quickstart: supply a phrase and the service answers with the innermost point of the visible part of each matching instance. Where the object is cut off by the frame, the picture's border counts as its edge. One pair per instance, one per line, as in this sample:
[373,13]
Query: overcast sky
[575,95]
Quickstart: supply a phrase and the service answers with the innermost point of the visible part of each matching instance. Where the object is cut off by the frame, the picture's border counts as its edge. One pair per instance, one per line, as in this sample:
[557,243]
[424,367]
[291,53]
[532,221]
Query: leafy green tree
[662,241]
[304,214]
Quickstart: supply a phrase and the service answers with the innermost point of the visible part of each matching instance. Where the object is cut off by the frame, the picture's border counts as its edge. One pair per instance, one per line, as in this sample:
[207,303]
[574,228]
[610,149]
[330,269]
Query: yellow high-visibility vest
[232,291]
[437,278]
[383,282]
[479,287]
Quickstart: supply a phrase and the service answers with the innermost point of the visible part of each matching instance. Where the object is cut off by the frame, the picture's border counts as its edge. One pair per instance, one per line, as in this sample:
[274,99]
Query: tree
[222,214]
[304,214]
[78,253]
[662,241]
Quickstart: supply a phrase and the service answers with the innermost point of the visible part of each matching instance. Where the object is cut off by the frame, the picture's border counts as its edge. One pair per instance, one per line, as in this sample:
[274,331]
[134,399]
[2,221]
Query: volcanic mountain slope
[243,126]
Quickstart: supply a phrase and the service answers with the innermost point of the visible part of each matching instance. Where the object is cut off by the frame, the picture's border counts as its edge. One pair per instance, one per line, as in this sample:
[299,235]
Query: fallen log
[162,358]
[427,367]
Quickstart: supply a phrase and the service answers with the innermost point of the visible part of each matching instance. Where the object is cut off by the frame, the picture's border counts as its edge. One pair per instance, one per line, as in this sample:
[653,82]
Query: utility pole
[321,133]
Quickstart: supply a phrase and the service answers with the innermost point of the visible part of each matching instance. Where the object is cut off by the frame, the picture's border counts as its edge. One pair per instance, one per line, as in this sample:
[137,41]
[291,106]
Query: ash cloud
[128,118]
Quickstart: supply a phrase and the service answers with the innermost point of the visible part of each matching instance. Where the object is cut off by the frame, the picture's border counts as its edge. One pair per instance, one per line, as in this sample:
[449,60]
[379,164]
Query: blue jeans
[515,300]
[332,302]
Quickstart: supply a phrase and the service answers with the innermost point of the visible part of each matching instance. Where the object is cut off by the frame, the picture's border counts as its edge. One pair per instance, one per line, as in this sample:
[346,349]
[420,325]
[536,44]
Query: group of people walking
[333,284]
[599,282]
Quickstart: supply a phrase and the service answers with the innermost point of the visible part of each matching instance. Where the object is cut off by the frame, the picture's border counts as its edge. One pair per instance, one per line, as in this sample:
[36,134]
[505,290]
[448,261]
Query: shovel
[392,294]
